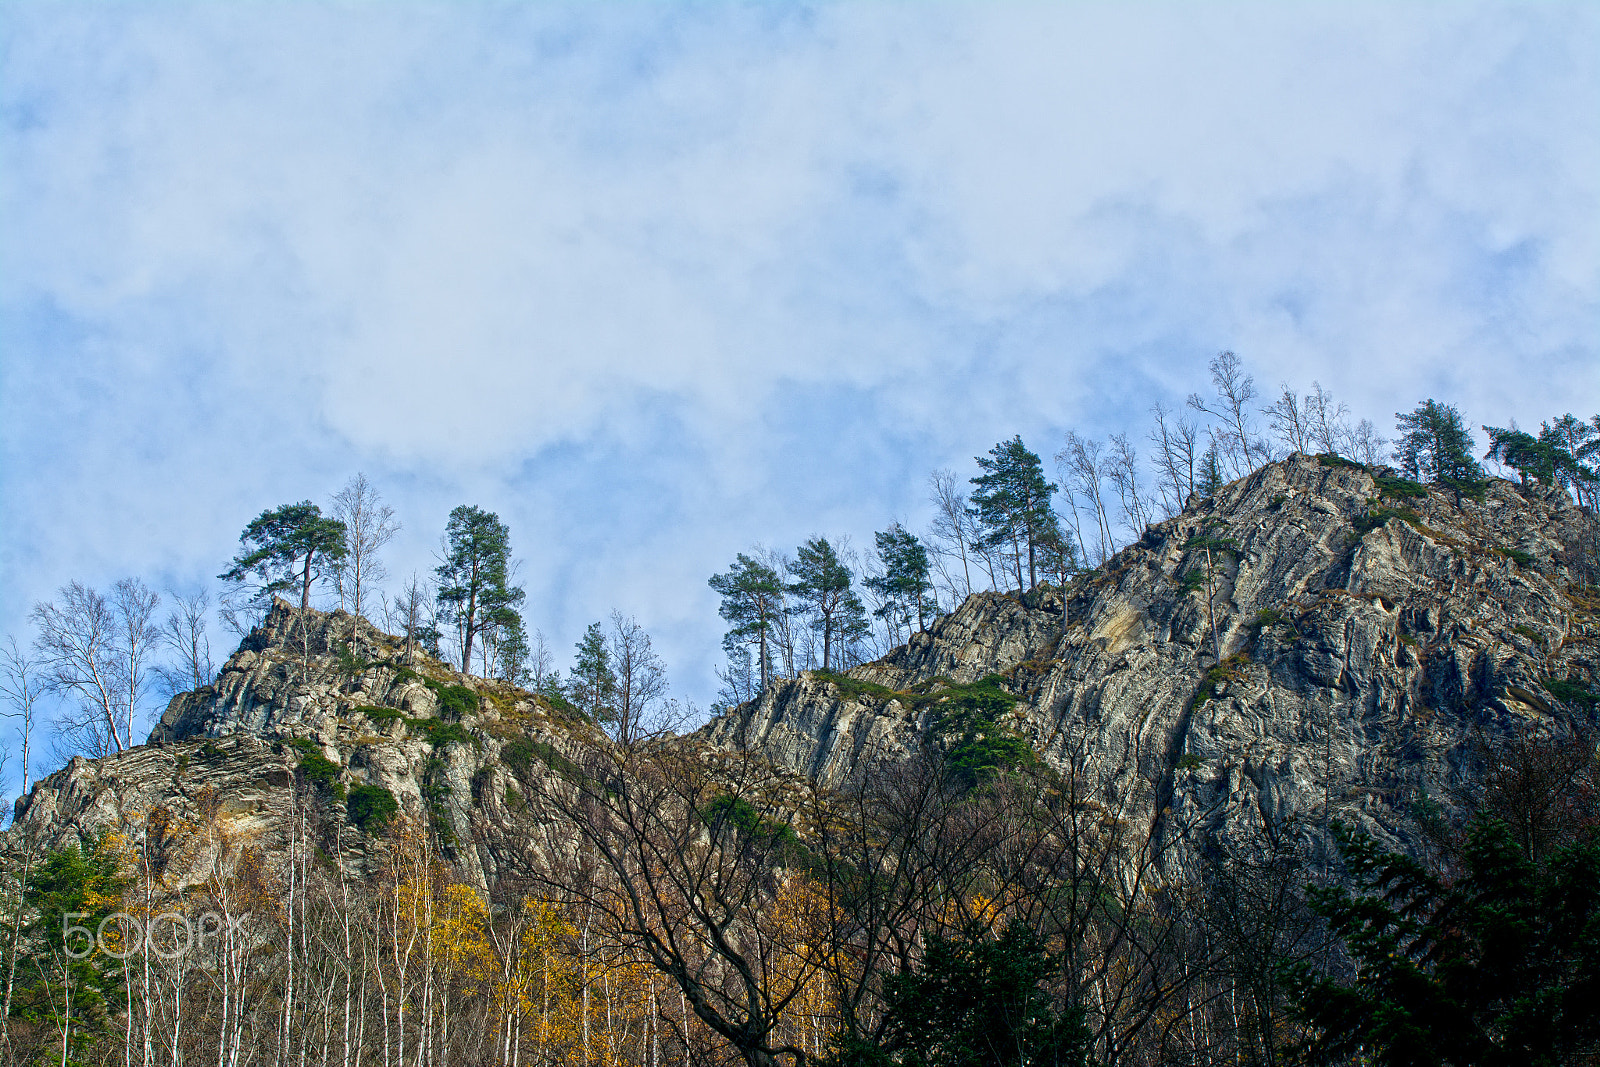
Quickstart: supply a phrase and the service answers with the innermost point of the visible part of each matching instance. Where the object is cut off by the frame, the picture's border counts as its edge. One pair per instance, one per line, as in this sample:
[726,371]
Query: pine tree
[1211,478]
[904,584]
[475,589]
[1436,446]
[825,584]
[1012,500]
[752,598]
[593,683]
[293,545]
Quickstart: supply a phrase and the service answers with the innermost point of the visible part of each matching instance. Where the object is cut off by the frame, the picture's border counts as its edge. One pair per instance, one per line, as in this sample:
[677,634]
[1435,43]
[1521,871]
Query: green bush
[1333,459]
[520,754]
[317,770]
[1570,691]
[727,810]
[439,733]
[377,714]
[1376,517]
[1400,487]
[855,688]
[1188,762]
[1267,617]
[455,700]
[370,807]
[1517,556]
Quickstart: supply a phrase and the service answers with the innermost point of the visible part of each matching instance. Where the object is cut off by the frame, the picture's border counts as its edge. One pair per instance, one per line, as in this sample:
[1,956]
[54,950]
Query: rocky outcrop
[309,708]
[1320,642]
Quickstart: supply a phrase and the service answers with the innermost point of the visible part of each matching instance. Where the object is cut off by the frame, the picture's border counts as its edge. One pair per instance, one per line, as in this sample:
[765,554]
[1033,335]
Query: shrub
[1376,517]
[1571,691]
[377,714]
[317,770]
[1267,617]
[520,754]
[455,700]
[1400,487]
[1188,762]
[1517,556]
[439,733]
[855,688]
[370,807]
[1333,459]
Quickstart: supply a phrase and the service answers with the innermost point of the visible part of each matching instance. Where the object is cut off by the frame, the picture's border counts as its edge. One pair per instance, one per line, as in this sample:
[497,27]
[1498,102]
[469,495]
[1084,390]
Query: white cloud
[763,268]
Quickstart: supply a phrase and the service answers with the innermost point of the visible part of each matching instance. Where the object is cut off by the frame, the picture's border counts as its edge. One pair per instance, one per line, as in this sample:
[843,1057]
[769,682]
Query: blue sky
[655,282]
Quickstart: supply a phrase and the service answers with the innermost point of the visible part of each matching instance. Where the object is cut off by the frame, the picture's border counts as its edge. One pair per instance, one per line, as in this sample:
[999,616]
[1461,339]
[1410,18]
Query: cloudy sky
[655,282]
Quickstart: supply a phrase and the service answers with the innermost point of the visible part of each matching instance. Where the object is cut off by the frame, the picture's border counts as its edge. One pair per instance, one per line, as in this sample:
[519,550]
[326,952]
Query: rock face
[1316,643]
[1319,642]
[328,694]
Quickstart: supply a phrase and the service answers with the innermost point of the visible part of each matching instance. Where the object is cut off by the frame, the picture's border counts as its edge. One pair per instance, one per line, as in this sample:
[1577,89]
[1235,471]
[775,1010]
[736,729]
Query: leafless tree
[1235,391]
[411,612]
[1291,423]
[97,649]
[21,686]
[1327,422]
[1177,444]
[641,680]
[541,663]
[369,525]
[1365,445]
[675,855]
[951,532]
[1082,471]
[1122,468]
[185,632]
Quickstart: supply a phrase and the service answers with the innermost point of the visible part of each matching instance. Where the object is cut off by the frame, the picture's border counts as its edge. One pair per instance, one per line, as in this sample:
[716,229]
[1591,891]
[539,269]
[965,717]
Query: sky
[657,282]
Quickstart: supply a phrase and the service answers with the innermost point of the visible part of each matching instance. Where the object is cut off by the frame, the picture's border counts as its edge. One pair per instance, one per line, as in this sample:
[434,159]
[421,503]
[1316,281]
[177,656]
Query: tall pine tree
[752,597]
[1012,500]
[826,586]
[475,589]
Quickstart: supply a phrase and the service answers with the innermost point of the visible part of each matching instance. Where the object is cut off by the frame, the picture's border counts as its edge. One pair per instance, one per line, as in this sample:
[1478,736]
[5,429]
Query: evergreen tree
[752,597]
[593,683]
[904,585]
[975,1000]
[1497,965]
[1012,500]
[288,546]
[1435,446]
[475,589]
[1211,478]
[825,585]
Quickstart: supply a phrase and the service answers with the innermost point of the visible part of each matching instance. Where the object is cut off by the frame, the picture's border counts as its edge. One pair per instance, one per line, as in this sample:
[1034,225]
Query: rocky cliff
[311,708]
[1320,642]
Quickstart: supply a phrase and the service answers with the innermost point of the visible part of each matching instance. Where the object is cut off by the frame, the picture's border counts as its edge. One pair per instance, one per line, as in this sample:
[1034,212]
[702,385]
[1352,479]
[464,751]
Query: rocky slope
[306,711]
[1318,642]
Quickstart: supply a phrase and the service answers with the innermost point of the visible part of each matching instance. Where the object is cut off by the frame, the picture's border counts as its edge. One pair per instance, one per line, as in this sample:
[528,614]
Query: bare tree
[641,679]
[951,532]
[1082,472]
[369,525]
[184,631]
[1122,467]
[411,613]
[1365,445]
[1291,424]
[21,686]
[1327,422]
[1235,391]
[675,855]
[98,650]
[1177,458]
